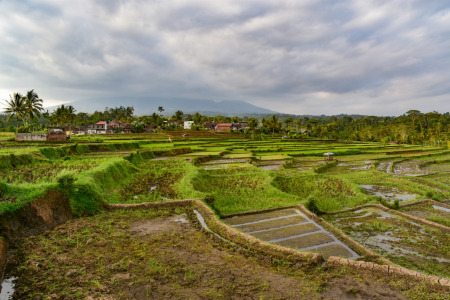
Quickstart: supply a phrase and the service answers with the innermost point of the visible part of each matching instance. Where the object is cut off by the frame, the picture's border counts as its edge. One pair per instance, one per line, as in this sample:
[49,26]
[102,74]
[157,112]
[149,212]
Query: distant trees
[63,115]
[178,115]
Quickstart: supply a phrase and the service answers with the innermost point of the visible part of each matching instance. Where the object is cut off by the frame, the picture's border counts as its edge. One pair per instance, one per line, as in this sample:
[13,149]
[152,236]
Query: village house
[239,125]
[75,130]
[114,123]
[211,125]
[223,126]
[127,128]
[188,124]
[99,127]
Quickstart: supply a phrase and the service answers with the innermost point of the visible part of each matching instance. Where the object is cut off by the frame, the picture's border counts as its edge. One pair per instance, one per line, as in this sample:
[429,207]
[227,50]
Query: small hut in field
[328,156]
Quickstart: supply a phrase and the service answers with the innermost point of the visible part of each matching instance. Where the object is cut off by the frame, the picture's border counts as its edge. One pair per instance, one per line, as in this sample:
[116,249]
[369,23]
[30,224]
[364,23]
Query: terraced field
[234,175]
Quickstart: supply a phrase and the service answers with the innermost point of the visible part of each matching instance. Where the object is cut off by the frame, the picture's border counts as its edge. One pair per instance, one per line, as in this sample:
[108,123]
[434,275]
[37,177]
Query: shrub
[84,200]
[65,180]
[312,206]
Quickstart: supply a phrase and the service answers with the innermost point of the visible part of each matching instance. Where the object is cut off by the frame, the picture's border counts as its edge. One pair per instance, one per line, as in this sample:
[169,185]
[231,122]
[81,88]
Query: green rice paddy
[232,175]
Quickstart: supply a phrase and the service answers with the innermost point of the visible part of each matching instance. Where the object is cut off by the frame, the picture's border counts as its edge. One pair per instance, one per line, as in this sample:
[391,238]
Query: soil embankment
[41,214]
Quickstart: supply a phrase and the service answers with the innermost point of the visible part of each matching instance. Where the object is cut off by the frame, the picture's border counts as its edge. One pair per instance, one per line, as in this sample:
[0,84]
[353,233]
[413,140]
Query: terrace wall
[30,137]
[3,255]
[36,137]
[57,136]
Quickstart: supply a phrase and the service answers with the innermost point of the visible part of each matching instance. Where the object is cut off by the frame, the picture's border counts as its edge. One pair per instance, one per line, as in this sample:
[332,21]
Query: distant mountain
[146,106]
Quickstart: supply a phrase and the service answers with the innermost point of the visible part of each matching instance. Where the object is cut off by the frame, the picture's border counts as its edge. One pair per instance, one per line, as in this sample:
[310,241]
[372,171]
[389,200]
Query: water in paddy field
[441,208]
[405,242]
[7,288]
[388,192]
[291,228]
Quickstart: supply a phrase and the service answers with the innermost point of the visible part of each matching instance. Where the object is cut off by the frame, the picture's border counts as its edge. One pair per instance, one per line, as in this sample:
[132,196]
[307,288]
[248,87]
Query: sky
[299,57]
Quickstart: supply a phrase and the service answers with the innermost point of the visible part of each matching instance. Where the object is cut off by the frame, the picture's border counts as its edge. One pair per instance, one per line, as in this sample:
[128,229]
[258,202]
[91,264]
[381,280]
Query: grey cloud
[356,53]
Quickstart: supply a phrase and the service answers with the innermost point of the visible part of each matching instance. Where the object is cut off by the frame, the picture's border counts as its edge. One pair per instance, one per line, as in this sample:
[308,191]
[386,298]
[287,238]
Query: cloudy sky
[301,57]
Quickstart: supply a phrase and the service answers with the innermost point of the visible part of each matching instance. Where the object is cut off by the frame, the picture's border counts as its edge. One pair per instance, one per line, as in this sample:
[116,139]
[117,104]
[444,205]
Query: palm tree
[58,116]
[33,106]
[298,124]
[70,115]
[252,124]
[288,122]
[15,107]
[160,109]
[273,123]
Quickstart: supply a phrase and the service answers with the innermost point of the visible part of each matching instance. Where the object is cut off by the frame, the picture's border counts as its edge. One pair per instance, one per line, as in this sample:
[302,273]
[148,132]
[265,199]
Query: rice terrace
[218,215]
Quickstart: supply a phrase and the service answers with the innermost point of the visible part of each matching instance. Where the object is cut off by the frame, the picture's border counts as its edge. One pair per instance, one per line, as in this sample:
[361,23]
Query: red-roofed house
[101,127]
[223,126]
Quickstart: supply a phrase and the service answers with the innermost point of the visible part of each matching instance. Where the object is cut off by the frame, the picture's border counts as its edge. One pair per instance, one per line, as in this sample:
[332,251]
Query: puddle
[7,288]
[385,166]
[409,168]
[225,161]
[431,212]
[291,228]
[388,192]
[270,167]
[441,208]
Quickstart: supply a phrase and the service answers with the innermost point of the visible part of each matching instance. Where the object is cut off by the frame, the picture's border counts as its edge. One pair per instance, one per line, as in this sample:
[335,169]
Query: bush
[311,205]
[65,180]
[81,149]
[84,200]
[209,200]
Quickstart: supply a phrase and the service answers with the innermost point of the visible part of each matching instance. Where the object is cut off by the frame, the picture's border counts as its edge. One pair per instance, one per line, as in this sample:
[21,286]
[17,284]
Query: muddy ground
[162,254]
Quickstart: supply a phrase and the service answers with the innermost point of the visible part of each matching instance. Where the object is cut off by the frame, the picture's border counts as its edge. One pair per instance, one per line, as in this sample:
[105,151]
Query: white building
[188,124]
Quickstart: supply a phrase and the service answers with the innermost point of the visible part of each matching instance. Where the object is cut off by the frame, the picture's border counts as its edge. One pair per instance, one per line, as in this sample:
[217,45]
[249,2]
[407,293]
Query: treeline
[25,113]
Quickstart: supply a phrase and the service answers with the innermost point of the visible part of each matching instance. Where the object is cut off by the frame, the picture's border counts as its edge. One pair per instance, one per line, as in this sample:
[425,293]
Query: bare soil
[149,254]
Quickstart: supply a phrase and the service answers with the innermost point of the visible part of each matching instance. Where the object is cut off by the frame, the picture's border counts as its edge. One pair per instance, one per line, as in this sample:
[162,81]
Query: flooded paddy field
[291,228]
[438,213]
[225,163]
[402,241]
[389,193]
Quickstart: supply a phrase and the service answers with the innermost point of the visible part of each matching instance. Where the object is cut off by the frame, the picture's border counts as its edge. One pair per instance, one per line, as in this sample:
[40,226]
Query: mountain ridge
[147,106]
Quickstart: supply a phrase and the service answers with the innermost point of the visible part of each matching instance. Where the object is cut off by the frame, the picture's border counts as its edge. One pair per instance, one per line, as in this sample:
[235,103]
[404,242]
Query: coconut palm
[273,123]
[15,107]
[33,106]
[252,124]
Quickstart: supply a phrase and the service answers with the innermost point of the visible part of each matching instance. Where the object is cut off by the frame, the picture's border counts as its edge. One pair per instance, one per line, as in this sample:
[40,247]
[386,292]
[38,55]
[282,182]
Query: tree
[160,109]
[252,124]
[273,124]
[298,124]
[179,115]
[137,126]
[288,122]
[70,115]
[33,106]
[197,118]
[15,107]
